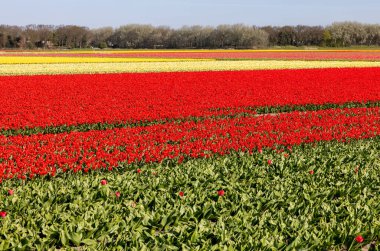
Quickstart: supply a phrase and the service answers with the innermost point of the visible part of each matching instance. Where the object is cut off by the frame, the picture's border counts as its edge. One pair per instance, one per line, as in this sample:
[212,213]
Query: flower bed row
[40,101]
[289,55]
[323,197]
[76,59]
[180,66]
[23,156]
[222,114]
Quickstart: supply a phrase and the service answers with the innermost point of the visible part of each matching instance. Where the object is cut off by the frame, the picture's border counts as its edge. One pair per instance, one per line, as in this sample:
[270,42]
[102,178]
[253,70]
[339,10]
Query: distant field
[80,62]
[197,54]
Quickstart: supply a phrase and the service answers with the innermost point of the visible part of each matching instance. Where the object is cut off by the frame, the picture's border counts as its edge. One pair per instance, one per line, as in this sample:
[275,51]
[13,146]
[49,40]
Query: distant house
[45,44]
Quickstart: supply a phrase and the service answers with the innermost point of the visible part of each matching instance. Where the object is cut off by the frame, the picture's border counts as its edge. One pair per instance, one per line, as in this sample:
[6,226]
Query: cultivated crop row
[40,101]
[321,197]
[210,54]
[180,66]
[28,156]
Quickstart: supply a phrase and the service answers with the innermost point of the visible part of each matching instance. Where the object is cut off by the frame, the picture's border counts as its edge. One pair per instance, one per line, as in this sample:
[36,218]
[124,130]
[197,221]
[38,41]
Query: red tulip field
[214,158]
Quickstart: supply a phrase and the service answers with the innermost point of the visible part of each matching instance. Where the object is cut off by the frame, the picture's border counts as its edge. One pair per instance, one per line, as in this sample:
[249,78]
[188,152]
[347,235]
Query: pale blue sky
[176,13]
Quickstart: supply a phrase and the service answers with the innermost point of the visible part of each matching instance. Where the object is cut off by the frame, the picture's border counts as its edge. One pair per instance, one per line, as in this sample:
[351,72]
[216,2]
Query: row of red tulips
[40,101]
[23,156]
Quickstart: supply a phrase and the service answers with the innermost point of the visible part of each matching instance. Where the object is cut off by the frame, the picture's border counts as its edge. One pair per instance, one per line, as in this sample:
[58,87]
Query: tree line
[237,36]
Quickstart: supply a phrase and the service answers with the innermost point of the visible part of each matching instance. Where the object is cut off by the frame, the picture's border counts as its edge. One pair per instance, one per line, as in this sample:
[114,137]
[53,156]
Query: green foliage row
[277,206]
[240,112]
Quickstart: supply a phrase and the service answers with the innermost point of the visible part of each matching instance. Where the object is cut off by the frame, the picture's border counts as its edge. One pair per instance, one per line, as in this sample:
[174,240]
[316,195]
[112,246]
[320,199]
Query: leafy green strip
[315,197]
[234,113]
[307,107]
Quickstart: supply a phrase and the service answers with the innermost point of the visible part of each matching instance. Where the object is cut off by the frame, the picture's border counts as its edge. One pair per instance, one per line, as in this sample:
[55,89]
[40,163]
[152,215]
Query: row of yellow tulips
[56,60]
[77,68]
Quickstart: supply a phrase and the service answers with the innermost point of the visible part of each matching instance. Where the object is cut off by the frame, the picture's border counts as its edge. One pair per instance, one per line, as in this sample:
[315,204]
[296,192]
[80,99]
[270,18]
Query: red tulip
[311,172]
[103,182]
[221,192]
[10,192]
[359,239]
[180,159]
[138,170]
[117,194]
[357,169]
[3,214]
[181,194]
[270,162]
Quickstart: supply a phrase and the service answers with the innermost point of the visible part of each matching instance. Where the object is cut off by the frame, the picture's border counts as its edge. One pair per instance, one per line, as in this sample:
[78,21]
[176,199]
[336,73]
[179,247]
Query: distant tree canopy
[237,36]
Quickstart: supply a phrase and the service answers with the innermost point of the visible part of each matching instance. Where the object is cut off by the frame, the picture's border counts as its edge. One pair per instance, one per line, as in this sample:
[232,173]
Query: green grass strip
[264,207]
[234,113]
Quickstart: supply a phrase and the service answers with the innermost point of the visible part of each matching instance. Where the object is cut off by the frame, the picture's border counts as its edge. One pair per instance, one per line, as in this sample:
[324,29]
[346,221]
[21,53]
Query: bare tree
[223,36]
[101,37]
[72,36]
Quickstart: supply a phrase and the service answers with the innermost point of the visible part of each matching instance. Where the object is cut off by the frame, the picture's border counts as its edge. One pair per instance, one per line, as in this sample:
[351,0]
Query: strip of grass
[230,113]
[264,206]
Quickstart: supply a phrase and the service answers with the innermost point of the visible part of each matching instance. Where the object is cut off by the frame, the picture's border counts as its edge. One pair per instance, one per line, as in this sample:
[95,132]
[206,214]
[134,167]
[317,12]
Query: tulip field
[190,149]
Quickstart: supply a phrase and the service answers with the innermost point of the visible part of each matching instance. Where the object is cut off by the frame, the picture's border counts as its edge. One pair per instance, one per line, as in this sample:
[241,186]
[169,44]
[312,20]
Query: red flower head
[181,194]
[311,172]
[117,194]
[103,182]
[221,192]
[357,169]
[138,170]
[270,162]
[3,214]
[359,239]
[180,159]
[10,192]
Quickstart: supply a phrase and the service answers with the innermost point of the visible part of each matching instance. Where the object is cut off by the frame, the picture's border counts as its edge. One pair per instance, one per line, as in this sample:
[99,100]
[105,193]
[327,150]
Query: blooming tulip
[359,239]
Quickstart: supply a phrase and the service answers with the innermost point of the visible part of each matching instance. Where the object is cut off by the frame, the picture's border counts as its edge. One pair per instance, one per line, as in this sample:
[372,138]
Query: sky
[177,13]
